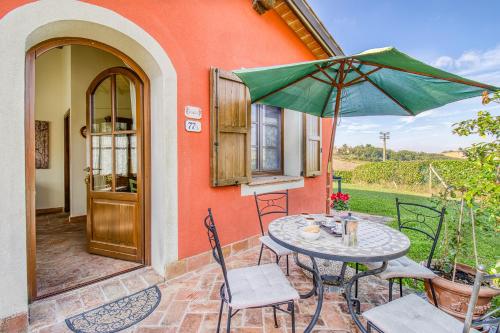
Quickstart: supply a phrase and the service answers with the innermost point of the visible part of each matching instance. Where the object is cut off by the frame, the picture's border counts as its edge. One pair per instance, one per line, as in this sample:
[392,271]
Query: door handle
[87,176]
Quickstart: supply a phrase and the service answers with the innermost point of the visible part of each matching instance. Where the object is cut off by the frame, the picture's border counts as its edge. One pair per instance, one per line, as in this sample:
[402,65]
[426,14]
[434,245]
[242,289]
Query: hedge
[406,172]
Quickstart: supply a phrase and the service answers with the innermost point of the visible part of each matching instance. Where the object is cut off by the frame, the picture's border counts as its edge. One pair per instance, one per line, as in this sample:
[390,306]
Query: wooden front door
[115,218]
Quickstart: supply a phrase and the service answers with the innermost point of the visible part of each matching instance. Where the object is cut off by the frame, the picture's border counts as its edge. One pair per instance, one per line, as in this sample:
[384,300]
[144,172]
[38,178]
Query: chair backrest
[481,276]
[213,239]
[423,219]
[271,203]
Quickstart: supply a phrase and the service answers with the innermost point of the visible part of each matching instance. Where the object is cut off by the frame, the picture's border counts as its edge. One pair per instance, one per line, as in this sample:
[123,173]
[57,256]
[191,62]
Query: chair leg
[278,259]
[368,327]
[260,255]
[292,313]
[275,318]
[287,266]
[433,292]
[400,287]
[229,314]
[220,315]
[390,289]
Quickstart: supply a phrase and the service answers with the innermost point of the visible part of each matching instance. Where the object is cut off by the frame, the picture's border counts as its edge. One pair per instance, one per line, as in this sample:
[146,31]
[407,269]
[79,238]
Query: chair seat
[259,286]
[402,268]
[412,314]
[278,249]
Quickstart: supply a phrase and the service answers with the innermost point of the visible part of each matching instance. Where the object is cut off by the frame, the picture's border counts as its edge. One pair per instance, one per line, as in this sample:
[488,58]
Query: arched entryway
[37,22]
[118,190]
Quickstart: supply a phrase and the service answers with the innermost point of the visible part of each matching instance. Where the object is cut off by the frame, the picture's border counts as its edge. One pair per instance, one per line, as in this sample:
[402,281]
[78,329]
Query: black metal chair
[250,287]
[424,220]
[269,204]
[413,314]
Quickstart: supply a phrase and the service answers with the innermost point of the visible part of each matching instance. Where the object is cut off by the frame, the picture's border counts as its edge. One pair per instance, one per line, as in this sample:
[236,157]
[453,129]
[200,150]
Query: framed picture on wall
[41,144]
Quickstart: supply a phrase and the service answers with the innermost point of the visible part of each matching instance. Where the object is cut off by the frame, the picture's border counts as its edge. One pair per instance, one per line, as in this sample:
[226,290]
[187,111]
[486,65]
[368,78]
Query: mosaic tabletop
[376,242]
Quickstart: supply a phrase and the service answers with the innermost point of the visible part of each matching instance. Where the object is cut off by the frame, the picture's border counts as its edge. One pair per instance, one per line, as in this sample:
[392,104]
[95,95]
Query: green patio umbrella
[376,82]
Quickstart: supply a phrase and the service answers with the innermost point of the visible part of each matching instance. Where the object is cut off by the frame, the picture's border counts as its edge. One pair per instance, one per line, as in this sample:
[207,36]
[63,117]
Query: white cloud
[477,65]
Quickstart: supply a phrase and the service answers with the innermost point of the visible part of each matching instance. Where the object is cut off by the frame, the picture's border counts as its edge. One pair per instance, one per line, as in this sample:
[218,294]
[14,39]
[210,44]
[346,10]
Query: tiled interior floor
[190,303]
[62,259]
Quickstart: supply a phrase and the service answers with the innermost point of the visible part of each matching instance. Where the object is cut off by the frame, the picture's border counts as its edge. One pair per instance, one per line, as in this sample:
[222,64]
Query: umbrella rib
[326,102]
[325,73]
[292,83]
[475,84]
[384,92]
[321,80]
[360,78]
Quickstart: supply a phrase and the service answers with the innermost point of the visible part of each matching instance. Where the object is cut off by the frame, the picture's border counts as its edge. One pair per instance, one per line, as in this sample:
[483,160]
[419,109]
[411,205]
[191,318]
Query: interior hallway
[62,259]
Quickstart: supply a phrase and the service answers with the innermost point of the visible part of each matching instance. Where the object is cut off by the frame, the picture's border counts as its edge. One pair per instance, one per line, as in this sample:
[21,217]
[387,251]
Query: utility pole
[384,136]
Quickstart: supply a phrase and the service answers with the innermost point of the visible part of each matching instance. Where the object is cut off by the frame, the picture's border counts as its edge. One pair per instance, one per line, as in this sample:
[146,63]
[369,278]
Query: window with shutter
[230,123]
[266,135]
[312,145]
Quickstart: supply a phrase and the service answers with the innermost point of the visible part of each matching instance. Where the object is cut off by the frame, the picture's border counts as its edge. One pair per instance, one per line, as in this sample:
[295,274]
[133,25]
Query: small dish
[309,235]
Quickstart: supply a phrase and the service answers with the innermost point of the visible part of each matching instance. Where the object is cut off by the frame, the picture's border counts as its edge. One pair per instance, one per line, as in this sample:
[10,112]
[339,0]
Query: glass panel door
[113,119]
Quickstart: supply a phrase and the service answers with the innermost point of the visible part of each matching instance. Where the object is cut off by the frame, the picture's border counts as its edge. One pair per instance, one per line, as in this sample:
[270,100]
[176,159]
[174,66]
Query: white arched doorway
[36,22]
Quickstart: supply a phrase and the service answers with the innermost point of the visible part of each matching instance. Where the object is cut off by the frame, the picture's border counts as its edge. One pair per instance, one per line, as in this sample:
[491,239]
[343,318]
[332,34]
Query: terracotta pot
[453,297]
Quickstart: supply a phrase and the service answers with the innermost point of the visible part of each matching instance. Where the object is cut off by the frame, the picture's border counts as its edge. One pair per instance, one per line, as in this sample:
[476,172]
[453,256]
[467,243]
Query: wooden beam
[336,113]
[384,92]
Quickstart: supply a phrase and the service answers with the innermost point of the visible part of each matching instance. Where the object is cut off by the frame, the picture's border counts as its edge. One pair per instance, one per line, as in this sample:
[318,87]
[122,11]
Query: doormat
[117,315]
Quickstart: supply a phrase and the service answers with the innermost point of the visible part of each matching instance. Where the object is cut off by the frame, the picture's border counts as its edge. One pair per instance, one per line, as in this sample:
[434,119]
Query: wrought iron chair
[413,314]
[414,217]
[250,287]
[270,204]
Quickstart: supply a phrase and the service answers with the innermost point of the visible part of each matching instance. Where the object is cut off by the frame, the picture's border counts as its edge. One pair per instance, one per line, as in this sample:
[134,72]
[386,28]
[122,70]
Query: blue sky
[457,36]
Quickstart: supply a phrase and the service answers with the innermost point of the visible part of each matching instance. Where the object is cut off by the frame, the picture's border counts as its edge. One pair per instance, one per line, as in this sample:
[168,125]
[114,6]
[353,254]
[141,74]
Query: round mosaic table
[376,243]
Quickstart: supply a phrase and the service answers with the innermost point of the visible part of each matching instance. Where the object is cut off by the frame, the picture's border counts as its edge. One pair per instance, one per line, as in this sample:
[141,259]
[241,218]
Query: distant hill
[458,154]
[373,154]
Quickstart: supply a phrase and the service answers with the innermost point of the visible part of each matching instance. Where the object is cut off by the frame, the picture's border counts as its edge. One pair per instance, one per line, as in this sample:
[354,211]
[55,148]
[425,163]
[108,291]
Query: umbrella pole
[329,172]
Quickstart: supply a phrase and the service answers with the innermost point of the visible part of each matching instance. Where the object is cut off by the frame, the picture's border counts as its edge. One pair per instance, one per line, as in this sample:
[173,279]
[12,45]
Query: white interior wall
[86,64]
[51,103]
[62,79]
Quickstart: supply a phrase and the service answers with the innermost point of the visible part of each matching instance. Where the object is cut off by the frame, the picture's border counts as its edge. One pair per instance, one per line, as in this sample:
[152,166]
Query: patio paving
[190,302]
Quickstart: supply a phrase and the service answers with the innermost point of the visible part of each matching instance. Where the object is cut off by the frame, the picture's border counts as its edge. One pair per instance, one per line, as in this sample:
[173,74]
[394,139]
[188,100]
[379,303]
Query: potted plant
[479,194]
[339,203]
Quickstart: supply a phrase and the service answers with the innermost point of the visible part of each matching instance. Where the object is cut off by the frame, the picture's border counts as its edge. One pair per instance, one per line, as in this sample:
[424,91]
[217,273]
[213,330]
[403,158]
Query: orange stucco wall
[196,35]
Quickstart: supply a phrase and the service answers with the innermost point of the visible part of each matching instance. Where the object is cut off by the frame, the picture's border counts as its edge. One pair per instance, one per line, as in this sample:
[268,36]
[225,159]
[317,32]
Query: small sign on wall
[193,125]
[192,112]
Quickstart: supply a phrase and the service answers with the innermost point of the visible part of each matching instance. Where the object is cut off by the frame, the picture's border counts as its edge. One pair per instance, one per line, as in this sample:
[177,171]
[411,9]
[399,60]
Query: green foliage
[345,174]
[482,188]
[410,173]
[373,154]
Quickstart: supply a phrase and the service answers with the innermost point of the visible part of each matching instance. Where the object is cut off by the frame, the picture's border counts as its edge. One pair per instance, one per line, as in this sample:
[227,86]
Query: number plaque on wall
[193,126]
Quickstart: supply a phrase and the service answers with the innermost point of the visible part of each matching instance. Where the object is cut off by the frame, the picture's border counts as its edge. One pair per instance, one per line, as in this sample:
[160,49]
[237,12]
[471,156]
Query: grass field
[383,202]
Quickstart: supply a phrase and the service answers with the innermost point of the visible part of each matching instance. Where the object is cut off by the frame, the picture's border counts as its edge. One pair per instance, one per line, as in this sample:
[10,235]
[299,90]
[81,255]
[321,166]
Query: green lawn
[382,202]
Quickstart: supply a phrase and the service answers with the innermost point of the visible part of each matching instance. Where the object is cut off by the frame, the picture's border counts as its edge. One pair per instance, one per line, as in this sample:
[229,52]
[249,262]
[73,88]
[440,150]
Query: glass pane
[271,135]
[101,114]
[271,115]
[254,134]
[125,104]
[102,163]
[126,163]
[254,158]
[270,159]
[254,113]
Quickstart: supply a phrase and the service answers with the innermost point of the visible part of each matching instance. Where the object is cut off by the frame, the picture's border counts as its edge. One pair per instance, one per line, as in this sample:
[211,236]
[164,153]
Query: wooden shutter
[230,124]
[312,145]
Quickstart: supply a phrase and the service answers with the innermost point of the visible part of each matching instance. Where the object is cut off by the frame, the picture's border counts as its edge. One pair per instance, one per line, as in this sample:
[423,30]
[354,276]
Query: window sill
[264,184]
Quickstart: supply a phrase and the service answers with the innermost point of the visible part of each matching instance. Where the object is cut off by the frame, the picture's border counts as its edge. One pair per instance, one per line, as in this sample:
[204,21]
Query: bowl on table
[310,232]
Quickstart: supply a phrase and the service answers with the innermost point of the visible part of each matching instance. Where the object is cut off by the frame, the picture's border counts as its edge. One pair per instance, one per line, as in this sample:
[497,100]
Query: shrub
[409,173]
[345,174]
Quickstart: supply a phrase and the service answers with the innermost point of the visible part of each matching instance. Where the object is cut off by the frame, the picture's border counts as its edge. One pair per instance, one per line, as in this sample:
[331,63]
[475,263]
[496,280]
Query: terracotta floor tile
[175,313]
[190,303]
[62,257]
[191,323]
